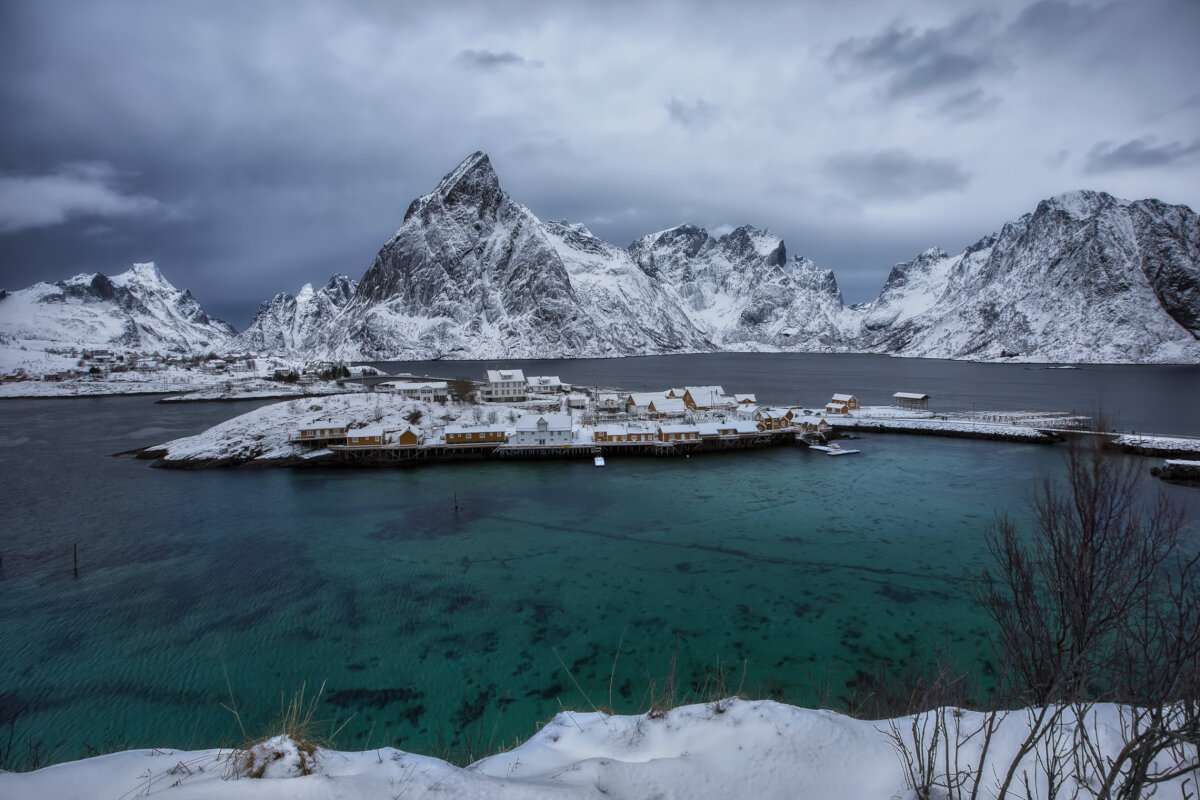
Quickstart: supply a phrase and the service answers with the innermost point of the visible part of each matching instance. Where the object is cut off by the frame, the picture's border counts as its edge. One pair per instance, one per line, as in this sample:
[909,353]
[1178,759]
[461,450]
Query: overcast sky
[251,147]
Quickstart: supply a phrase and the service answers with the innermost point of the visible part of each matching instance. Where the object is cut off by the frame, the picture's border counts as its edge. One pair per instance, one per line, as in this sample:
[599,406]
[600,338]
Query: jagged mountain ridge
[473,274]
[296,323]
[1084,277]
[135,310]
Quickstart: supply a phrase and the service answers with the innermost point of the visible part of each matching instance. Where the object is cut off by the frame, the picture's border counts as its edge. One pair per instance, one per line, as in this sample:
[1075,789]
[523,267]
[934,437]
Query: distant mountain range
[472,274]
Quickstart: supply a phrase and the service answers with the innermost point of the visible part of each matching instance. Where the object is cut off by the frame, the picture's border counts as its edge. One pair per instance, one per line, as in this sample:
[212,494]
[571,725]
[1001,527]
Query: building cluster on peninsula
[680,419]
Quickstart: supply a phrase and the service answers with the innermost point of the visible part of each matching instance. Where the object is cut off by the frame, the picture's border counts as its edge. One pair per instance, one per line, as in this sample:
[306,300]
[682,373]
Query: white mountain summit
[472,274]
[136,310]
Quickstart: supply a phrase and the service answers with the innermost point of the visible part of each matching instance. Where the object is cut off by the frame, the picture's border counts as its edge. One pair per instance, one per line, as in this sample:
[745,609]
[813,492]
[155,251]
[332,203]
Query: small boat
[832,450]
[598,461]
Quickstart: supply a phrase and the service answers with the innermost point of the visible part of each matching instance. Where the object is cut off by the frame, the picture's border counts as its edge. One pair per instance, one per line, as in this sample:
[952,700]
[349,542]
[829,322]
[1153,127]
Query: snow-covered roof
[503,375]
[457,429]
[705,393]
[553,422]
[612,429]
[745,398]
[323,424]
[679,429]
[835,404]
[646,398]
[543,380]
[669,405]
[370,430]
[745,426]
[843,398]
[910,396]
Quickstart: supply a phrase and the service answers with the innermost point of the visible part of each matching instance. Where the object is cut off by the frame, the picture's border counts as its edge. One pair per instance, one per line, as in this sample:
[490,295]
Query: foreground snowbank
[759,749]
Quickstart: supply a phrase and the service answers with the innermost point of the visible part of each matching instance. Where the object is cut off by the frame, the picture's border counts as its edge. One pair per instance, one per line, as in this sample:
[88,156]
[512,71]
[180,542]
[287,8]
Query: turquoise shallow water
[465,604]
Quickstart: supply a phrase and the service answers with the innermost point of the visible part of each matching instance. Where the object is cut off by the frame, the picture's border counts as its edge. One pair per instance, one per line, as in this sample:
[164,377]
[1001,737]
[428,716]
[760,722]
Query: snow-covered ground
[1158,444]
[731,749]
[263,434]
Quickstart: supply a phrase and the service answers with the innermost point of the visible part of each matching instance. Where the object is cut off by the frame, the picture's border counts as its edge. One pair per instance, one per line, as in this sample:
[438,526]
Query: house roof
[499,375]
[370,430]
[554,422]
[910,396]
[679,429]
[706,394]
[844,398]
[745,398]
[455,429]
[669,405]
[321,423]
[645,398]
[543,380]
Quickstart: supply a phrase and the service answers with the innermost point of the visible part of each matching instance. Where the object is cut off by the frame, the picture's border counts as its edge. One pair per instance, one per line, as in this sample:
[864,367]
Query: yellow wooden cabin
[474,434]
[679,433]
[849,400]
[365,437]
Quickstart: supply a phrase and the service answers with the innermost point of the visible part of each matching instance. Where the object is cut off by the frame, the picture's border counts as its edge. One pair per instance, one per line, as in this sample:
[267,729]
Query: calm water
[433,624]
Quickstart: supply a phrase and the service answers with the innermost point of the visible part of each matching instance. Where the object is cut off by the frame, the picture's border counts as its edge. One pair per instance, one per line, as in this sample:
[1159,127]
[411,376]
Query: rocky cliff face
[296,323]
[473,274]
[1085,277]
[136,310]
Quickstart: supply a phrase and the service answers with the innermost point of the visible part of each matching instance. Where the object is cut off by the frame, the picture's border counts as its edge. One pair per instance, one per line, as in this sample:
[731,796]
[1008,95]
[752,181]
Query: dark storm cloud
[1137,154]
[895,175]
[915,61]
[70,191]
[696,115]
[486,59]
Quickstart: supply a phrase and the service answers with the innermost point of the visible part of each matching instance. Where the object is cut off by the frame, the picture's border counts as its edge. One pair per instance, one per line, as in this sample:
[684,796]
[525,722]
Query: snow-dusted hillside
[742,292]
[296,324]
[136,310]
[1085,278]
[473,274]
[723,749]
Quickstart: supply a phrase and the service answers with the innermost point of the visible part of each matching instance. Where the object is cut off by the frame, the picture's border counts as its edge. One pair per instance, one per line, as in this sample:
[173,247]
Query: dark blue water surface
[467,602]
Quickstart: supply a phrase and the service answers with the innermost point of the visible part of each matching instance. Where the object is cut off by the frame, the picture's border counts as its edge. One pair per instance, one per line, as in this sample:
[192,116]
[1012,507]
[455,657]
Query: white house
[542,429]
[504,386]
[429,392]
[546,384]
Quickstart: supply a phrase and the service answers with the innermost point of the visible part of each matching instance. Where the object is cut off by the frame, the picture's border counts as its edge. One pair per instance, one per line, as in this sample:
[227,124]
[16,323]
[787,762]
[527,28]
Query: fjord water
[460,605]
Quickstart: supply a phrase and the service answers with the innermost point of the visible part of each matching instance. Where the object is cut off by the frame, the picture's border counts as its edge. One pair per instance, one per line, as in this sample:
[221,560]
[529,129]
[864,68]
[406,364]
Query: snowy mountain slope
[470,273]
[637,313]
[136,310]
[743,293]
[473,274]
[296,324]
[1085,277]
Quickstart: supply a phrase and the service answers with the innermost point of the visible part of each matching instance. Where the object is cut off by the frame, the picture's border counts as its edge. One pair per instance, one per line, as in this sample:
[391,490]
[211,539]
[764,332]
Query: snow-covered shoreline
[720,749]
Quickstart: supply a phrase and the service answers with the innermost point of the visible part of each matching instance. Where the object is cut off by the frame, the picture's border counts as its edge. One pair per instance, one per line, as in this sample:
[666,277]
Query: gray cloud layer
[251,147]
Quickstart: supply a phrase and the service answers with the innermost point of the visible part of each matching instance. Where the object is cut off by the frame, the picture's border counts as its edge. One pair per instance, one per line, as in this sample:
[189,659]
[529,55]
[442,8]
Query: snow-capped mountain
[473,274]
[742,292]
[136,310]
[296,323]
[1085,277]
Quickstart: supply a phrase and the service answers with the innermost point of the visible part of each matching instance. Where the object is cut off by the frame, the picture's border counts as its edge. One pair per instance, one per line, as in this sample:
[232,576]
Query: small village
[562,421]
